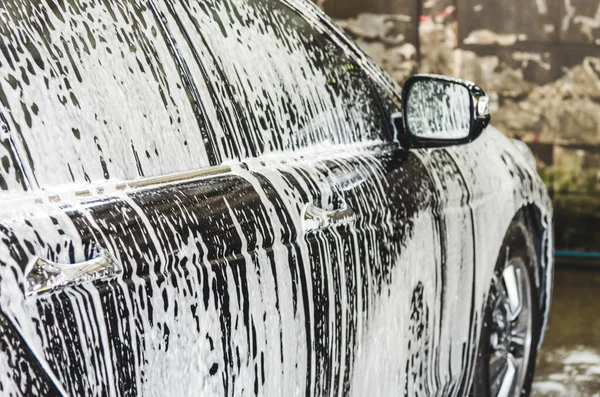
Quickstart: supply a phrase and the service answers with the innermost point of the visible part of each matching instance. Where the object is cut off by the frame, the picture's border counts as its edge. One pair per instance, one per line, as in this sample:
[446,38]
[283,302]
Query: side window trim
[202,119]
[214,97]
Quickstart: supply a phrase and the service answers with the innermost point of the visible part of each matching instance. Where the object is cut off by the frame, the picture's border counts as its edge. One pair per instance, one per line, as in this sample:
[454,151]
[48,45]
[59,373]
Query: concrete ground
[569,362]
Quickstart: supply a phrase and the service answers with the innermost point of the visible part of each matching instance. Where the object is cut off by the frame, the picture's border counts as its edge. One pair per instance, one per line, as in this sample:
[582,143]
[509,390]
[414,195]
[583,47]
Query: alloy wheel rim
[510,331]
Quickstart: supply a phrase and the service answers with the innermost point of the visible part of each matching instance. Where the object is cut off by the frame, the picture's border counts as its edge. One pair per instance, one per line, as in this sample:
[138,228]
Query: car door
[390,269]
[130,261]
[356,199]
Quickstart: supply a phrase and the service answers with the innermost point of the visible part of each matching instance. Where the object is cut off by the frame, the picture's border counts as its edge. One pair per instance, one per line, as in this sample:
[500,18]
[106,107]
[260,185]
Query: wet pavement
[569,362]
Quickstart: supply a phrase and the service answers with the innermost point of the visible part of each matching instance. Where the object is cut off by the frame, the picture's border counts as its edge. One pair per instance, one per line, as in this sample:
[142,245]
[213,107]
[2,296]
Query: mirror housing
[440,111]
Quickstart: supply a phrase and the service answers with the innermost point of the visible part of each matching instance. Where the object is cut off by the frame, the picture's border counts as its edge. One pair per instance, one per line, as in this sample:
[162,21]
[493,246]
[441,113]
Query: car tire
[507,351]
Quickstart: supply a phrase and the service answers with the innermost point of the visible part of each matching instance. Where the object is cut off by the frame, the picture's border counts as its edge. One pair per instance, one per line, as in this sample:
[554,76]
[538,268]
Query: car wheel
[512,321]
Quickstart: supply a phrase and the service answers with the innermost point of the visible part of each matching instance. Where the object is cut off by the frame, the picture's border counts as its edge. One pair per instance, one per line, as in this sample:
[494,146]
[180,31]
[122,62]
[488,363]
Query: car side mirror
[441,111]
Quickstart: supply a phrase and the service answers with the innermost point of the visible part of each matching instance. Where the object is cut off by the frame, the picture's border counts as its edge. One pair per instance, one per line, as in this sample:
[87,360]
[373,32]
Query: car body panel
[227,285]
[218,269]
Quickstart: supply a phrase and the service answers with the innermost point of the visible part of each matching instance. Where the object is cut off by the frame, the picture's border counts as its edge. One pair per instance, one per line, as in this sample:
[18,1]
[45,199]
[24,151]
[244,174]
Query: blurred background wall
[539,60]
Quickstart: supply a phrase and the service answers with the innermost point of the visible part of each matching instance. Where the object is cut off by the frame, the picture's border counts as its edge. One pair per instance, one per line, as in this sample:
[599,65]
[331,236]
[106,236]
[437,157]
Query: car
[229,198]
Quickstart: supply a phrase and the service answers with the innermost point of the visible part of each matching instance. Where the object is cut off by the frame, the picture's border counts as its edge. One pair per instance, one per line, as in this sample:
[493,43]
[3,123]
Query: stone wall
[539,60]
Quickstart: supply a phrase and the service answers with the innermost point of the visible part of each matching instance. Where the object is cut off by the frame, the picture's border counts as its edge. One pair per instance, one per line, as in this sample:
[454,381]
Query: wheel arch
[539,228]
[530,232]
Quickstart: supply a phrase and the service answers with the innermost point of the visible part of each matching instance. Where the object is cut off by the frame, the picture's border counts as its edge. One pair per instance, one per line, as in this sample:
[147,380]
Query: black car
[228,198]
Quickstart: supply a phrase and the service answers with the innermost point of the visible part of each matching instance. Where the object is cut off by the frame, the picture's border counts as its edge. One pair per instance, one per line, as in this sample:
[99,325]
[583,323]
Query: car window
[276,82]
[90,92]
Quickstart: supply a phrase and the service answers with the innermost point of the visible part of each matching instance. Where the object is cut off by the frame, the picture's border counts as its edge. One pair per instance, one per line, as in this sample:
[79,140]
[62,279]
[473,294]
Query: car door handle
[44,276]
[314,217]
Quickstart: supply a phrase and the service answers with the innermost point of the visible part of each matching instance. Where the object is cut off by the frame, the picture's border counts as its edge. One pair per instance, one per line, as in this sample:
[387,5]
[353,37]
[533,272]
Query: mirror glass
[437,109]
